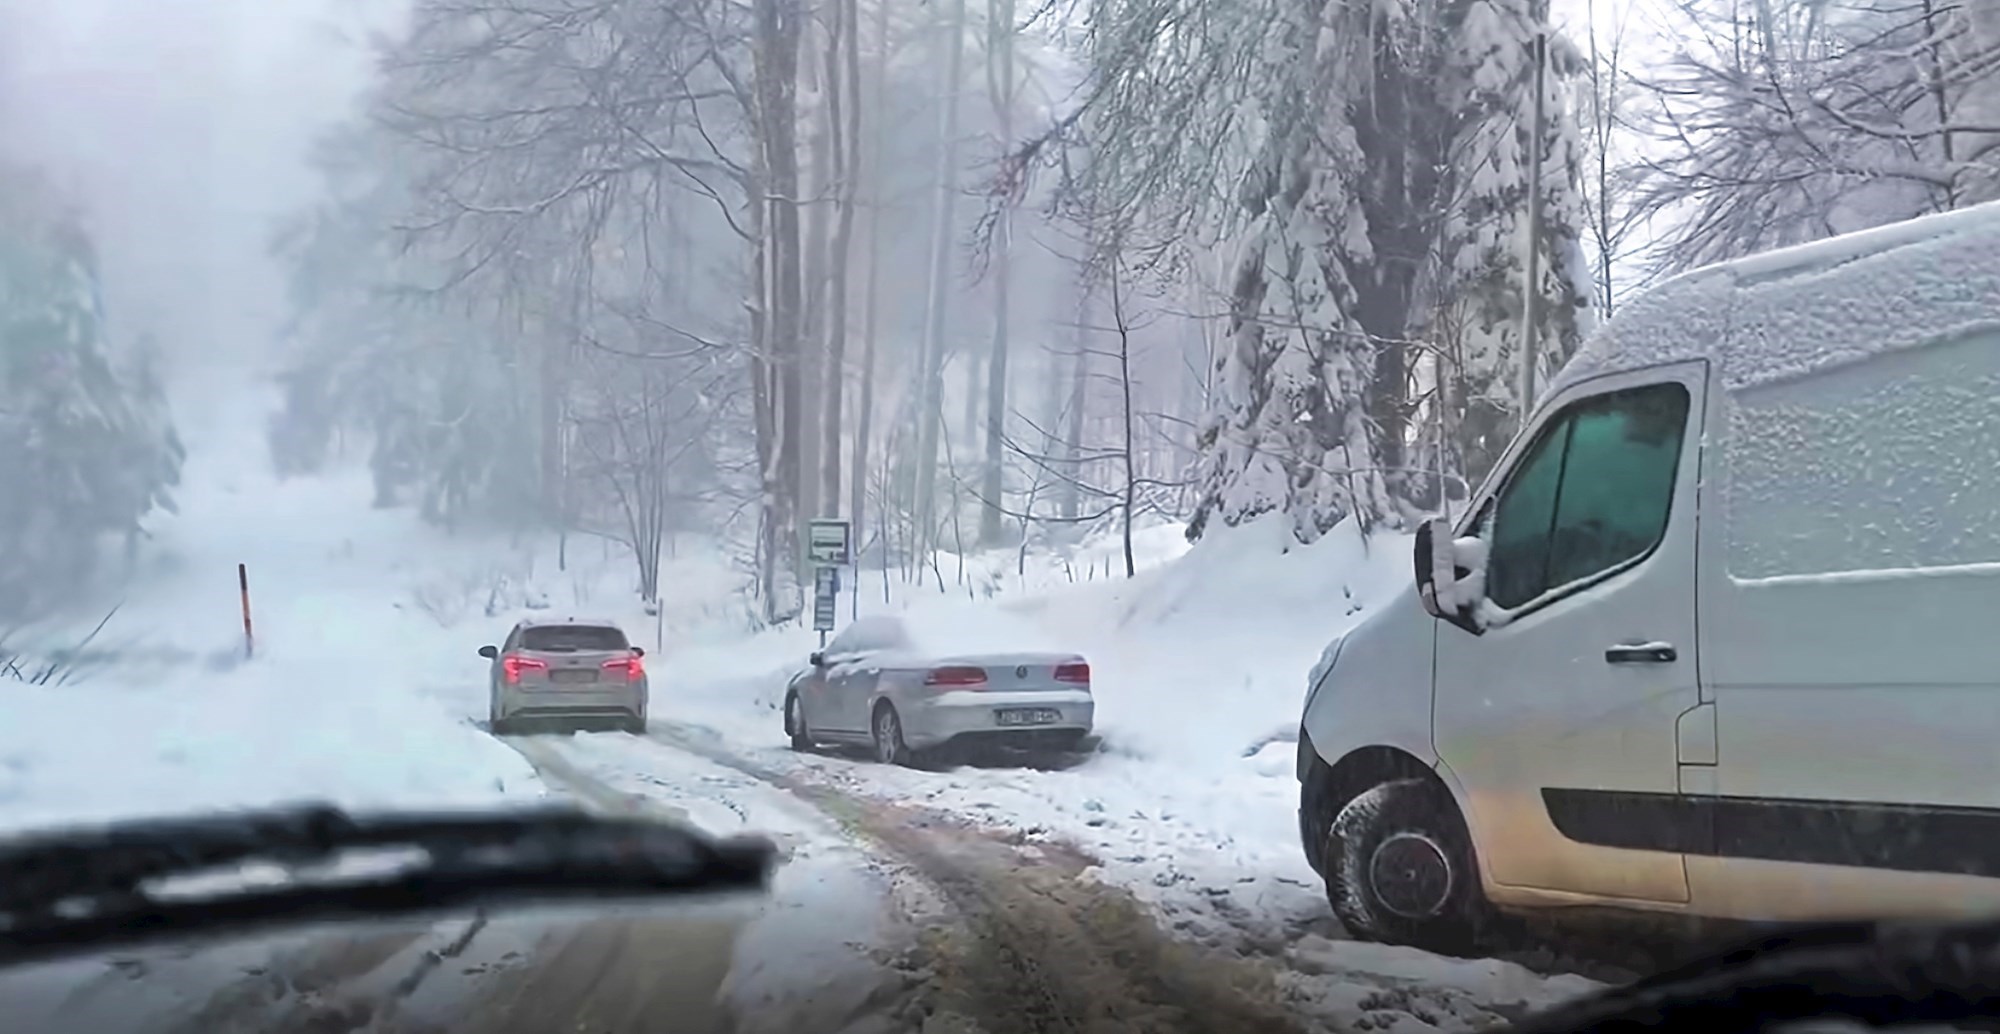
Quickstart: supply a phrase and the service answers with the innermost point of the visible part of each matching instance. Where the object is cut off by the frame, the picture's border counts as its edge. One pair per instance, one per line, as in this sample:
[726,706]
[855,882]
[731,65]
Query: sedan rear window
[572,638]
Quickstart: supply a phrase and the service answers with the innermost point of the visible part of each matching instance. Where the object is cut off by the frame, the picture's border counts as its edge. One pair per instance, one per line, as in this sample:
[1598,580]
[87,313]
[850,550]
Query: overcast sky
[180,125]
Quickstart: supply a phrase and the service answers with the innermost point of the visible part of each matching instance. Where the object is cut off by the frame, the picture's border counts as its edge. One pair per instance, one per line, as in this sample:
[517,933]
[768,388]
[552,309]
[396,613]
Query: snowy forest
[87,447]
[988,273]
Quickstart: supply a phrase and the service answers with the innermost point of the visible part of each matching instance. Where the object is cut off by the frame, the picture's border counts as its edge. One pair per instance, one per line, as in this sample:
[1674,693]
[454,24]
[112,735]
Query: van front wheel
[1400,869]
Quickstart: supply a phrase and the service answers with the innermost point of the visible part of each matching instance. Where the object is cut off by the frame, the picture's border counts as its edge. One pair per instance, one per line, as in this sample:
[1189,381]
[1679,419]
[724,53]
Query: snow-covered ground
[1199,668]
[815,952]
[353,694]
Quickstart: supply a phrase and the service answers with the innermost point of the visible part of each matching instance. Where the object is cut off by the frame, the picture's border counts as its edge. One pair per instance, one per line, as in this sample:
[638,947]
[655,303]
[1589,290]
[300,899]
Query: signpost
[828,547]
[827,542]
[826,590]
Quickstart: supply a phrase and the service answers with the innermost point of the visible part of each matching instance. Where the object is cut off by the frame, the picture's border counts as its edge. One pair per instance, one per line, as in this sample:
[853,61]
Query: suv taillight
[1074,671]
[514,664]
[633,668]
[956,676]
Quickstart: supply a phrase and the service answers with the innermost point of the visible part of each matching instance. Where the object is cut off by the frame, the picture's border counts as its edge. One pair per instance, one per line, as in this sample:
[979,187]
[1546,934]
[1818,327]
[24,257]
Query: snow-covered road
[964,829]
[885,915]
[819,953]
[985,926]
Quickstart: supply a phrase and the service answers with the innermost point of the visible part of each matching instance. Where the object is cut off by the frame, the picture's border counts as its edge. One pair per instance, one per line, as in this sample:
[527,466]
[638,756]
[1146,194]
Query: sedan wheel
[795,723]
[889,746]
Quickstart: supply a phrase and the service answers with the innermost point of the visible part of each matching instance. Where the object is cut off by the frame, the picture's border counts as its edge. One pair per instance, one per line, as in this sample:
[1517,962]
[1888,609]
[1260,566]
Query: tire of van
[1400,869]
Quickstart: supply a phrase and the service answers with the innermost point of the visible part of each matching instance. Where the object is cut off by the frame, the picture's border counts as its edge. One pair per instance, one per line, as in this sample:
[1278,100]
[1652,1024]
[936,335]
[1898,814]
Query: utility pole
[1531,286]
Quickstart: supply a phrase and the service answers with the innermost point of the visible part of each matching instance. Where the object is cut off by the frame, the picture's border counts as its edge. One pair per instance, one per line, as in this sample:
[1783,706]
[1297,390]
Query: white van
[1720,635]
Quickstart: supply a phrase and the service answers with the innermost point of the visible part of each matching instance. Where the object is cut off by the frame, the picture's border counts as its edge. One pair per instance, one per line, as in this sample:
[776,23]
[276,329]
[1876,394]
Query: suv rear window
[571,638]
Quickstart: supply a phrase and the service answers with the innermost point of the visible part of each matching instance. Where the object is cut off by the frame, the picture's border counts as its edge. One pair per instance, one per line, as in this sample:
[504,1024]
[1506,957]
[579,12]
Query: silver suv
[566,672]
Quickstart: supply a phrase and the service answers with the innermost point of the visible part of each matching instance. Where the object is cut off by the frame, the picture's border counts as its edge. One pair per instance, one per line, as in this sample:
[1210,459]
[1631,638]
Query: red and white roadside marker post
[243,587]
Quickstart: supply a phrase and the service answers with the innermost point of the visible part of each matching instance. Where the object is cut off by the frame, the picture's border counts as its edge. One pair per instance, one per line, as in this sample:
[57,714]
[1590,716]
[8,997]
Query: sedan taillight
[956,676]
[1074,671]
[631,667]
[513,665]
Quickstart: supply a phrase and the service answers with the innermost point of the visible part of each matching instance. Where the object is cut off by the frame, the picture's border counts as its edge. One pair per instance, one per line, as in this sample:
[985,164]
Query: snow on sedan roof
[963,629]
[1788,312]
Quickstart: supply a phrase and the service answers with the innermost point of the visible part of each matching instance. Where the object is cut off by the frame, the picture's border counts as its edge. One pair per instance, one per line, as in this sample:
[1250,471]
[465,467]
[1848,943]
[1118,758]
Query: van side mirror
[1442,576]
[489,652]
[818,659]
[1436,569]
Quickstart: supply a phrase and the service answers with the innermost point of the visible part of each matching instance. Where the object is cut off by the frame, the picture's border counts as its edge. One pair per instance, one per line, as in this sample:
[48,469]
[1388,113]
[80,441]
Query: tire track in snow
[1035,946]
[839,963]
[1030,890]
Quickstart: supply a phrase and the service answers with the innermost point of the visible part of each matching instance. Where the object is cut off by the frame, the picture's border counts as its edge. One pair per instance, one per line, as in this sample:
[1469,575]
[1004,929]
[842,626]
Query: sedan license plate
[1028,716]
[572,675]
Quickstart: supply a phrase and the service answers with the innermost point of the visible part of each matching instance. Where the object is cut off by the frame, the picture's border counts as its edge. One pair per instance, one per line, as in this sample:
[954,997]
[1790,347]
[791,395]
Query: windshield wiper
[128,883]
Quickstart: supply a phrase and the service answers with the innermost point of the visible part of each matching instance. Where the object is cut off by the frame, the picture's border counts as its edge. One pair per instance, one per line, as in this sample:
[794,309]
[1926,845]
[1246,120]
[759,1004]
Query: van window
[1593,493]
[1523,519]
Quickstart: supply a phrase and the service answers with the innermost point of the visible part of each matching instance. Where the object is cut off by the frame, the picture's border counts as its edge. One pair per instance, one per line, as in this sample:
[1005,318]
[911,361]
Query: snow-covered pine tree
[1386,202]
[1288,426]
[1476,295]
[87,450]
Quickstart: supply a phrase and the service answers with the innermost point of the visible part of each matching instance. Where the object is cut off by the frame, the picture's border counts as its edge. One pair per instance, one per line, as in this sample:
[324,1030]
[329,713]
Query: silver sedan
[874,684]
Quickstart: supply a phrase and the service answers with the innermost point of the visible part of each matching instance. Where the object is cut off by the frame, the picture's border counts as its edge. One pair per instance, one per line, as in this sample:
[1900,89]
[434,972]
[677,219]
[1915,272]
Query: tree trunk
[992,484]
[822,145]
[968,428]
[1079,395]
[937,299]
[761,382]
[551,385]
[843,88]
[777,50]
[1125,395]
[1604,81]
[858,490]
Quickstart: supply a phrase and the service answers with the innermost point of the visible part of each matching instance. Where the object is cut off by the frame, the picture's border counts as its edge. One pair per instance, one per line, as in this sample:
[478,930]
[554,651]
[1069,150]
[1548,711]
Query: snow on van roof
[1794,310]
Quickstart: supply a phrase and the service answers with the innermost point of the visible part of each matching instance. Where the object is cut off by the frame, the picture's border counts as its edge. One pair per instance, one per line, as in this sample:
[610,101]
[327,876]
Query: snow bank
[354,694]
[1200,667]
[1201,660]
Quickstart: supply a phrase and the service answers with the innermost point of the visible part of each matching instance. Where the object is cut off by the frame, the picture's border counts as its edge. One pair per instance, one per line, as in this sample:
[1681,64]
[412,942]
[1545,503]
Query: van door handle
[1642,653]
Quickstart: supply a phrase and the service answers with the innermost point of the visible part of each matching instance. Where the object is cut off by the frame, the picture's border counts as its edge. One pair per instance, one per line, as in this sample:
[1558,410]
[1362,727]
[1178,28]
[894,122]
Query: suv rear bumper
[570,702]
